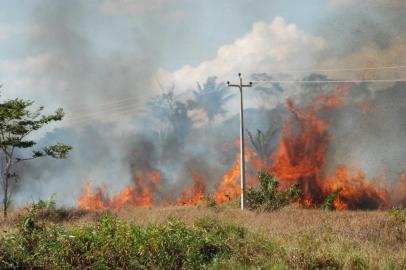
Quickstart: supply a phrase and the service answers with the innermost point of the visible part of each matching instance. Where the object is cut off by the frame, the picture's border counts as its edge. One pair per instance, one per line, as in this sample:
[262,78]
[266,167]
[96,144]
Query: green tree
[17,123]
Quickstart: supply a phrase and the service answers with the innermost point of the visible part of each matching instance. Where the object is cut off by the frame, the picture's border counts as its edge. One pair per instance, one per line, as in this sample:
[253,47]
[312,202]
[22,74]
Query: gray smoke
[91,77]
[369,132]
[359,25]
[88,78]
[118,141]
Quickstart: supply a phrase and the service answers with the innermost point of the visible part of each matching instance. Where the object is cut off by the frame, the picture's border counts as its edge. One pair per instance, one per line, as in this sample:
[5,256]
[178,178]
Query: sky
[103,60]
[184,27]
[169,36]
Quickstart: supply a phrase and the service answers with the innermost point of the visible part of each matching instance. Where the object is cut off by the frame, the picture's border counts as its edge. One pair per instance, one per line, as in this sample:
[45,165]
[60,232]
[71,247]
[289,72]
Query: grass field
[287,239]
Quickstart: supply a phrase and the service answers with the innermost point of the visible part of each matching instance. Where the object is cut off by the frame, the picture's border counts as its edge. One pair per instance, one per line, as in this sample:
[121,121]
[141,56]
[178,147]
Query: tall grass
[195,238]
[115,244]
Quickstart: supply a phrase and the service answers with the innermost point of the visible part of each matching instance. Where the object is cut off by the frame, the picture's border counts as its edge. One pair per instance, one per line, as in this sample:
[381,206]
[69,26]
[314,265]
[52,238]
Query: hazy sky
[101,60]
[189,31]
[47,46]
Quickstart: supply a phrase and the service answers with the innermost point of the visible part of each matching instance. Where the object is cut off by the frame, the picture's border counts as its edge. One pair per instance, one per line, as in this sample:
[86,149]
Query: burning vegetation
[138,195]
[300,158]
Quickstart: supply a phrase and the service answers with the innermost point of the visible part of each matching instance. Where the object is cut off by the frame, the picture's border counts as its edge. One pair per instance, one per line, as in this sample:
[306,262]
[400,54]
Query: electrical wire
[119,108]
[110,116]
[332,81]
[339,69]
[103,111]
[120,111]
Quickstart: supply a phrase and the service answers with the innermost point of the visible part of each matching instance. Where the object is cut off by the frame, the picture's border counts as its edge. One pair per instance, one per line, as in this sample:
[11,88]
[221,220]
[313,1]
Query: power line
[119,107]
[127,99]
[108,107]
[126,109]
[332,81]
[114,102]
[340,69]
[112,115]
[101,112]
[107,104]
[106,112]
[116,109]
[281,72]
[96,116]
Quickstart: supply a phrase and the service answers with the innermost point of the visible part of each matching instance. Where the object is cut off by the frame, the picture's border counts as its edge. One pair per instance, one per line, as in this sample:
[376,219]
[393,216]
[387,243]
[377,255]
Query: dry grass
[373,237]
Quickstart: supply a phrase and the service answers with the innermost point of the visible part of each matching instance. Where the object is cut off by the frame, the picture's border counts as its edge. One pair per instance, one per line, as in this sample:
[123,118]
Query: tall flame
[301,157]
[229,187]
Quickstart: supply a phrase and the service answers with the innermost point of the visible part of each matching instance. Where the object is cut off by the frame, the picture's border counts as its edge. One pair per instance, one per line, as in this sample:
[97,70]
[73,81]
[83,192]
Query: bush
[114,244]
[48,204]
[269,195]
[328,203]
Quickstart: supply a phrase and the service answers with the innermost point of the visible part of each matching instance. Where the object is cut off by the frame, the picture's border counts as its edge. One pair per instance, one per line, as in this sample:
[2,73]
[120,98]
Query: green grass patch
[115,244]
[40,241]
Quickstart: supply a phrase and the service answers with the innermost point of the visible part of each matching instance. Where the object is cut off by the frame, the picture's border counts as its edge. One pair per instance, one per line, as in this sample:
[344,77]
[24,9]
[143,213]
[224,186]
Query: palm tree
[264,143]
[211,98]
[172,113]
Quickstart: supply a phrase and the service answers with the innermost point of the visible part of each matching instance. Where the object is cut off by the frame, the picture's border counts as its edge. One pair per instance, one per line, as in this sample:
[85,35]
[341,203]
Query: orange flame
[139,195]
[193,195]
[356,191]
[230,186]
[300,157]
[302,152]
[90,200]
